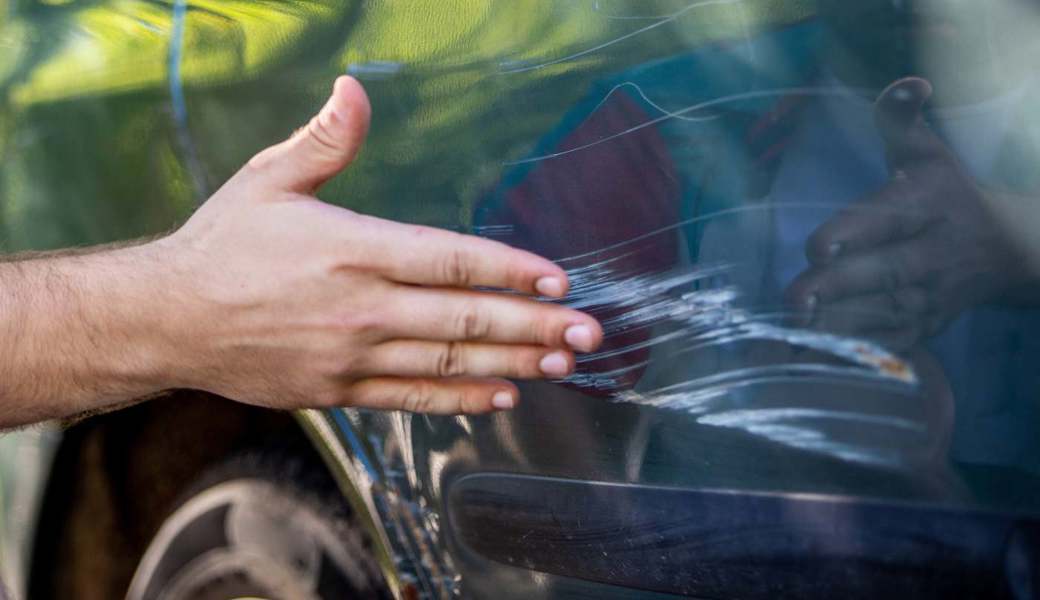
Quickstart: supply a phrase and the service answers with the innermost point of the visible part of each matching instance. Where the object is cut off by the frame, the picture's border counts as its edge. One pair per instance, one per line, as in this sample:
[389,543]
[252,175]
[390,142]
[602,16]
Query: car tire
[262,525]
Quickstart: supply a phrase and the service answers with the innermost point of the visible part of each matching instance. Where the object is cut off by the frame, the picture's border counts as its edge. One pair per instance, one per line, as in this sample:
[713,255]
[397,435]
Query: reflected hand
[276,298]
[901,264]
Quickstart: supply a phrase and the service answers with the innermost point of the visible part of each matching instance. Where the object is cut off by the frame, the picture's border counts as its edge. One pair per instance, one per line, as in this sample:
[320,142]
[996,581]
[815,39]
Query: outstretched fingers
[416,358]
[444,314]
[433,396]
[435,257]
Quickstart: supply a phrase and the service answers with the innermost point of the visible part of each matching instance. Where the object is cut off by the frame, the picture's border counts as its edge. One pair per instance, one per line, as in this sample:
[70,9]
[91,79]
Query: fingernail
[579,337]
[902,94]
[503,400]
[549,286]
[835,249]
[554,365]
[812,302]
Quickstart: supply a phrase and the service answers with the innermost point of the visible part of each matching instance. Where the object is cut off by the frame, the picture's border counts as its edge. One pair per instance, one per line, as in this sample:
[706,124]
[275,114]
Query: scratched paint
[669,18]
[682,113]
[604,134]
[700,313]
[639,91]
[692,309]
[689,311]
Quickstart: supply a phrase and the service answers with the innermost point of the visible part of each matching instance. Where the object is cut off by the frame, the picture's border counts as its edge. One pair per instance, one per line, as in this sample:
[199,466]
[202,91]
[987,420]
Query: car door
[787,218]
[806,226]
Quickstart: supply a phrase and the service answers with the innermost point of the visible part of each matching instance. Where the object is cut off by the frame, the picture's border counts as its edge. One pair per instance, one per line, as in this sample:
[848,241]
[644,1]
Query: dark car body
[713,448]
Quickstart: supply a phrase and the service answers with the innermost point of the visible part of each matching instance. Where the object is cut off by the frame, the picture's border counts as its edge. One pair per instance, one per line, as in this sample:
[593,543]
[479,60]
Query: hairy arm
[80,332]
[271,297]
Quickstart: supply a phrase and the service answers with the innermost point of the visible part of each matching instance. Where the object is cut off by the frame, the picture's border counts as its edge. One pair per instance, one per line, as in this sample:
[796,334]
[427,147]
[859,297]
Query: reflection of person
[269,296]
[932,242]
[921,251]
[909,239]
[924,248]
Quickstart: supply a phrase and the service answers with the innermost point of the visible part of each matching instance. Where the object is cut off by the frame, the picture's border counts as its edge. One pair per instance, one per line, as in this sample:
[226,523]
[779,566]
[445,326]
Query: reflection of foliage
[91,171]
[446,112]
[14,44]
[91,151]
[229,40]
[94,50]
[122,45]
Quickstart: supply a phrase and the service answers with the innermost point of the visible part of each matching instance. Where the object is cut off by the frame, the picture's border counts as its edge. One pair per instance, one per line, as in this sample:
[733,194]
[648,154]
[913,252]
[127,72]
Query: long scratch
[694,396]
[744,417]
[713,215]
[804,91]
[744,23]
[706,317]
[640,31]
[653,104]
[596,8]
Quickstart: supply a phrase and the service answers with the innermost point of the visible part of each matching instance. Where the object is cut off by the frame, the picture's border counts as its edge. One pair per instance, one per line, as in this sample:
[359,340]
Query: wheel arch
[115,476]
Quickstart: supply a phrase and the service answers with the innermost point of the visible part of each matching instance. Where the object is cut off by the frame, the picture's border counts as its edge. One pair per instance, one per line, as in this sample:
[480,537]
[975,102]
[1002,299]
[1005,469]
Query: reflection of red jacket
[600,195]
[597,197]
[586,196]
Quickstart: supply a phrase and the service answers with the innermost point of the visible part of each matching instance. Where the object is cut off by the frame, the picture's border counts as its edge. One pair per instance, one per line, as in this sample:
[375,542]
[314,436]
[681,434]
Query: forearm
[77,332]
[270,297]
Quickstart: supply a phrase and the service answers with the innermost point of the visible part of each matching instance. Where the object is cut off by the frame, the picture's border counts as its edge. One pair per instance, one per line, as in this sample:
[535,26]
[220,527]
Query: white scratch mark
[751,95]
[640,31]
[646,99]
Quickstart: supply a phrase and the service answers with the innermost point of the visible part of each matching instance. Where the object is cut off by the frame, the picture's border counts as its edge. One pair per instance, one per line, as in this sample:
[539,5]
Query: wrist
[150,317]
[118,301]
[80,330]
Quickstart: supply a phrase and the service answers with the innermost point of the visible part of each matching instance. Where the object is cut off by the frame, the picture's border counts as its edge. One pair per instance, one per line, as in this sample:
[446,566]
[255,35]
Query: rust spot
[894,367]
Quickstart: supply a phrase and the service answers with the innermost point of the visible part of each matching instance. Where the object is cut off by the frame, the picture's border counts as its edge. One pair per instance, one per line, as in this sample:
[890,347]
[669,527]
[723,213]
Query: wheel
[259,526]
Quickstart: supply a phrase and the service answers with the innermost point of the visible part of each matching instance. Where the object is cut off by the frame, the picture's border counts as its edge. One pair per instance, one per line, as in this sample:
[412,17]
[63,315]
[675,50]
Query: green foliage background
[91,151]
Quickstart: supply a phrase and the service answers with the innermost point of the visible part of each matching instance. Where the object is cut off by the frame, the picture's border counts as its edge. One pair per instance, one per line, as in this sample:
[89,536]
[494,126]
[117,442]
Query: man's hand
[899,265]
[272,297]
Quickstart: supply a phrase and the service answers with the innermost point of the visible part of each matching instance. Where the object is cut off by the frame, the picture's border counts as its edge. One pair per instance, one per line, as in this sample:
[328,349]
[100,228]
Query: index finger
[436,257]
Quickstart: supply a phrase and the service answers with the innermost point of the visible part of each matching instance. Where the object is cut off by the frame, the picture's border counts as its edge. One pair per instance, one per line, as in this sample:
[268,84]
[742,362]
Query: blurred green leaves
[90,150]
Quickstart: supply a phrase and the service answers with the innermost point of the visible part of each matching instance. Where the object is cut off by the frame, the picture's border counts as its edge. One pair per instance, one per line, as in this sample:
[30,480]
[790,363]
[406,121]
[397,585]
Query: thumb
[898,114]
[321,149]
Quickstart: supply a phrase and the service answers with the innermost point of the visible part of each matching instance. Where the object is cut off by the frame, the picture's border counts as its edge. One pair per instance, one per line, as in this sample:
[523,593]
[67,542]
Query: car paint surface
[117,117]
